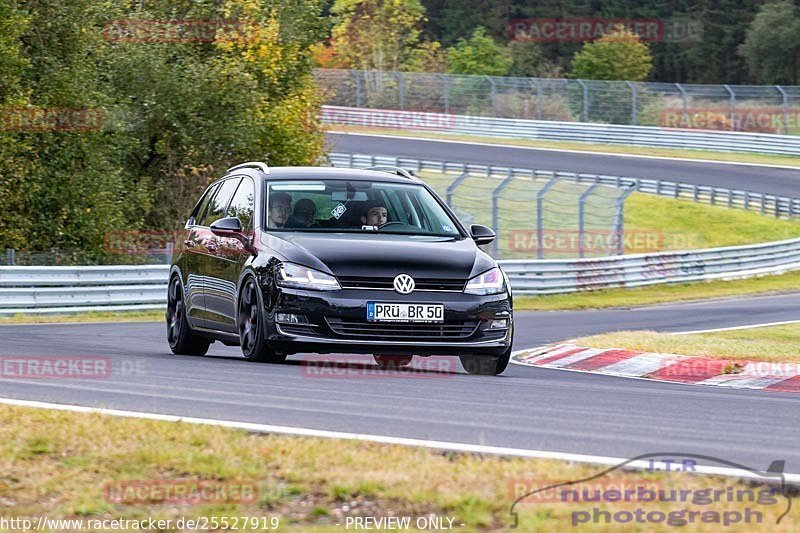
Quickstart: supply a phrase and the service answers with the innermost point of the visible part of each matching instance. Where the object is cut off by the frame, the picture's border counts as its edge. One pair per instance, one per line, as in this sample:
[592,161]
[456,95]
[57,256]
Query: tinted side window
[216,207]
[203,204]
[243,203]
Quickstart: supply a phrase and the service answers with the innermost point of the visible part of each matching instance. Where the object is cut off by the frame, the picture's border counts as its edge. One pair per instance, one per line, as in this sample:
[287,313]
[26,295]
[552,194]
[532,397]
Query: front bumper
[467,318]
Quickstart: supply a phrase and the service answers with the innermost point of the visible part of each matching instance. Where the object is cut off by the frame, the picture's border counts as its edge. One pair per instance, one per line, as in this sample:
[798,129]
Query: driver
[280,205]
[375,214]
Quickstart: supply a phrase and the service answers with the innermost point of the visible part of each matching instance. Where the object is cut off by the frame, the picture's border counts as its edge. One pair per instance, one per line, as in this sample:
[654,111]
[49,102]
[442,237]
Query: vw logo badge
[403,283]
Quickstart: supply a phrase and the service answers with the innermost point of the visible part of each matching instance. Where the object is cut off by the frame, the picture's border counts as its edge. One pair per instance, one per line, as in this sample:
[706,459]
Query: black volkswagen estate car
[326,260]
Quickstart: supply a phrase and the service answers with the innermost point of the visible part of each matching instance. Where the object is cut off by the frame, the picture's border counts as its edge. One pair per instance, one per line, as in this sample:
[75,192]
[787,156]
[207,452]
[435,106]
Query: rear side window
[216,207]
[243,203]
[203,204]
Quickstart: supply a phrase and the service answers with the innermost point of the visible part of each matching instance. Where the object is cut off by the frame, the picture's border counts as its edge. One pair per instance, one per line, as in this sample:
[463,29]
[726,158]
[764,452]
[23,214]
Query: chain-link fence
[760,109]
[535,214]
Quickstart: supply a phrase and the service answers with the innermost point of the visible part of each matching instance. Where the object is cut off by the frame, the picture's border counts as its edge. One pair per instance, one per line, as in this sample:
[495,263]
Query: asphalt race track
[781,181]
[526,407]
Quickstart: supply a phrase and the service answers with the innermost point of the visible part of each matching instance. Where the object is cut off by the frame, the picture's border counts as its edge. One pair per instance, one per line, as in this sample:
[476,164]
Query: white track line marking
[732,328]
[402,441]
[564,150]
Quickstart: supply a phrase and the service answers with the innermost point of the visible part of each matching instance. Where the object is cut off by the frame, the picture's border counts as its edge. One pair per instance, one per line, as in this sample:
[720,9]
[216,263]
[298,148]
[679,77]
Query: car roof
[298,173]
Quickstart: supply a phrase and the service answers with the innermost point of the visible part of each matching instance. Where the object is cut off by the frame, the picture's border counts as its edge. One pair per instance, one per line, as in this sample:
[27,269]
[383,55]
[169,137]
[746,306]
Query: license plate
[391,312]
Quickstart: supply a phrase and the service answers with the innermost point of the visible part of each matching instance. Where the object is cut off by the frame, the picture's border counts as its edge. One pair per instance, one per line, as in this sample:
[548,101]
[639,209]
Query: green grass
[773,343]
[686,225]
[651,223]
[659,294]
[57,464]
[94,316]
[711,155]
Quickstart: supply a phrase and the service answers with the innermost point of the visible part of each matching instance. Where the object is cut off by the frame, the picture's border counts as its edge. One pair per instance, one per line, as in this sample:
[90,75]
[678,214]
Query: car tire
[250,323]
[485,365]
[392,362]
[182,340]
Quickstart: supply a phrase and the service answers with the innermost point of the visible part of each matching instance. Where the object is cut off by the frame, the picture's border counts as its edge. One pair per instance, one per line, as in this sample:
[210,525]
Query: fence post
[539,101]
[585,112]
[495,208]
[683,100]
[11,256]
[784,109]
[634,110]
[357,77]
[493,95]
[539,214]
[582,215]
[401,89]
[446,90]
[170,251]
[452,187]
[732,105]
[619,222]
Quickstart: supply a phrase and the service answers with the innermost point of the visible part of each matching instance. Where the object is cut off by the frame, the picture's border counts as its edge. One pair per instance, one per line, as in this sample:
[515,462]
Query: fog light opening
[498,323]
[290,318]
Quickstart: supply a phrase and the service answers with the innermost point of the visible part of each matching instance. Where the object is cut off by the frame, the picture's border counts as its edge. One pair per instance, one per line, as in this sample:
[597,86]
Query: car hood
[384,255]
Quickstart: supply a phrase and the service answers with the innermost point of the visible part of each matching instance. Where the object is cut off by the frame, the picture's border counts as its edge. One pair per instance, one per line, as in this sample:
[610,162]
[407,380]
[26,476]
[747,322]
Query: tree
[378,34]
[772,47]
[528,61]
[174,114]
[479,54]
[620,55]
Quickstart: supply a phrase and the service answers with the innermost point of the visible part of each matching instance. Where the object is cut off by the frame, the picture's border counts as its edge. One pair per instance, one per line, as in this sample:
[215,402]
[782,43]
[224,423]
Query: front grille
[405,331]
[421,284]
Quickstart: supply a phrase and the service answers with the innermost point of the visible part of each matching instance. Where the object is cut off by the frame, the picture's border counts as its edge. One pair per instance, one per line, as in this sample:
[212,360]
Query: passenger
[304,214]
[280,205]
[375,214]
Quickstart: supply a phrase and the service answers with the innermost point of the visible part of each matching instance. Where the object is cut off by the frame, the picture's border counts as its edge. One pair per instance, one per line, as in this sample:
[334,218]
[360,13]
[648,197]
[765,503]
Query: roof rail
[400,171]
[263,167]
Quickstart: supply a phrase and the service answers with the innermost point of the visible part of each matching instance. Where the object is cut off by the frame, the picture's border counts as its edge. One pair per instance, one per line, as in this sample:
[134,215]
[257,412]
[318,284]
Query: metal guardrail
[732,262]
[52,290]
[647,136]
[768,204]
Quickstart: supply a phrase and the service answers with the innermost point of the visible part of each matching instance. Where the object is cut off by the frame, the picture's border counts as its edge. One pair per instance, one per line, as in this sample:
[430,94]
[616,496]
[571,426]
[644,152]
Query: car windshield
[356,206]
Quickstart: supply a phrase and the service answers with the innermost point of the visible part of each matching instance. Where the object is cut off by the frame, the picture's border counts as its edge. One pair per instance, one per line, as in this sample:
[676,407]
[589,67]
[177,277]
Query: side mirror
[226,227]
[482,234]
[231,227]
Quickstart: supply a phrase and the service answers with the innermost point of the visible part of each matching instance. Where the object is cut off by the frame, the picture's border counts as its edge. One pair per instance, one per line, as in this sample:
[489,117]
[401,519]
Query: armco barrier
[55,289]
[647,136]
[41,290]
[731,262]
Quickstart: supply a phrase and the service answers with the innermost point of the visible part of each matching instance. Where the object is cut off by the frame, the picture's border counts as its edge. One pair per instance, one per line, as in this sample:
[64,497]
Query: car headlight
[490,282]
[300,277]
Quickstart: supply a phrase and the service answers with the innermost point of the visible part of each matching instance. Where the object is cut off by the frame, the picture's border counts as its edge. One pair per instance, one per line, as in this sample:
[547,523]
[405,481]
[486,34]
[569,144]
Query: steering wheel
[391,223]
